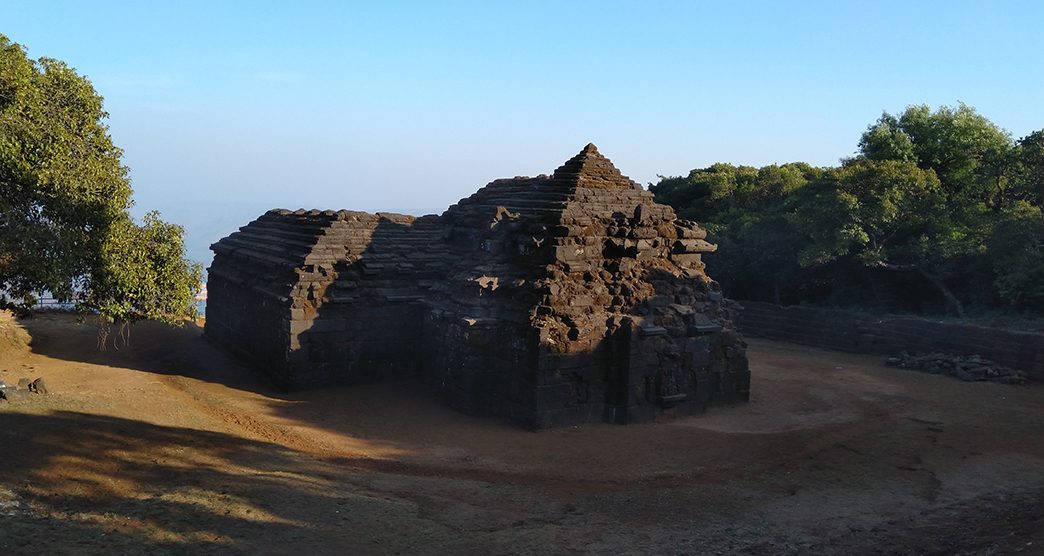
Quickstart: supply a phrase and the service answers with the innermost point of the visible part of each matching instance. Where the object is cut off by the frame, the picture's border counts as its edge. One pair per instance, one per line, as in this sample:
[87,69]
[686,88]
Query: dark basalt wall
[550,300]
[889,335]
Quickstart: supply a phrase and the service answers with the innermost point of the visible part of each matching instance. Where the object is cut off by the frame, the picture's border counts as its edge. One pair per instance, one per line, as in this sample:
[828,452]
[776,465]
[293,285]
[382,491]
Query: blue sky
[225,109]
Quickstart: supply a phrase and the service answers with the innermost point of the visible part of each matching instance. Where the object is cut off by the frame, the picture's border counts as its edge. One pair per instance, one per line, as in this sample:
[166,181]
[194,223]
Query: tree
[1017,253]
[886,140]
[1030,182]
[61,180]
[742,209]
[706,192]
[65,197]
[886,214]
[142,275]
[935,201]
[980,172]
[966,150]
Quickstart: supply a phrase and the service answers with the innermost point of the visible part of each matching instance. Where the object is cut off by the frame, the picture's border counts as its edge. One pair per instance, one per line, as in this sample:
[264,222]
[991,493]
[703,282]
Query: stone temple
[551,301]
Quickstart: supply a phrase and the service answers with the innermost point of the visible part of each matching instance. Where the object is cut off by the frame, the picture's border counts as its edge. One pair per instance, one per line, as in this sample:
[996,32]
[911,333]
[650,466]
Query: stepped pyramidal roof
[550,300]
[590,169]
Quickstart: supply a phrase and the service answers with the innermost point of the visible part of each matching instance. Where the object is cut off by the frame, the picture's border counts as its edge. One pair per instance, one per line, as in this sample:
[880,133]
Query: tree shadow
[153,347]
[86,483]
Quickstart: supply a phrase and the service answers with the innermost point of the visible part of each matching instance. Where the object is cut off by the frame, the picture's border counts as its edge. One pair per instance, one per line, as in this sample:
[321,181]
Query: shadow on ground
[835,454]
[127,487]
[402,426]
[153,347]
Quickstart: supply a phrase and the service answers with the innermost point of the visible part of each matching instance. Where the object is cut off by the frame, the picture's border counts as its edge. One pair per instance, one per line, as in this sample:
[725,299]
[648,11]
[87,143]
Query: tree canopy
[65,197]
[938,209]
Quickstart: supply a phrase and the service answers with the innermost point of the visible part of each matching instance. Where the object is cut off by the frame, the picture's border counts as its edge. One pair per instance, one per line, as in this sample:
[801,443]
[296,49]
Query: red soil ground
[171,446]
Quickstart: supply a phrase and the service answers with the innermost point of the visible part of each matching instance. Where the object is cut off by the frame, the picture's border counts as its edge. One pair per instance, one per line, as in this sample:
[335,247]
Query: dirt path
[173,447]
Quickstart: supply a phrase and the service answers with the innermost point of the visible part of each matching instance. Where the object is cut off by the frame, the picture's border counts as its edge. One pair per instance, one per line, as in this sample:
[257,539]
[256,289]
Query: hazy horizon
[227,110]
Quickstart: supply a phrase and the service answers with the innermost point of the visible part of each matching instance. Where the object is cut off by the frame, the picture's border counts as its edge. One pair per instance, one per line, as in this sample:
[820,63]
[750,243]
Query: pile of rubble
[965,367]
[21,391]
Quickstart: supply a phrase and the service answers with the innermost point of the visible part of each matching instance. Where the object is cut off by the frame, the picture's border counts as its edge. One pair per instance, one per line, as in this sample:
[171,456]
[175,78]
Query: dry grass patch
[13,337]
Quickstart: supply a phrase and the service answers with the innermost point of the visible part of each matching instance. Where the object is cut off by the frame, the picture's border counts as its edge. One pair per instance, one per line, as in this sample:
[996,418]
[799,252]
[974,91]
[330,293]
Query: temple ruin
[552,300]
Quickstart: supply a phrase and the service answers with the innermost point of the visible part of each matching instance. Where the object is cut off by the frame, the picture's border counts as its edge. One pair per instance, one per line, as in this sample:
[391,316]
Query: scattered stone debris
[21,391]
[38,386]
[552,300]
[965,367]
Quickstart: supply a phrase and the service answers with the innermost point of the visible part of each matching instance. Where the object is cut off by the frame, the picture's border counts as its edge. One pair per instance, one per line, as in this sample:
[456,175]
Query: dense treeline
[938,211]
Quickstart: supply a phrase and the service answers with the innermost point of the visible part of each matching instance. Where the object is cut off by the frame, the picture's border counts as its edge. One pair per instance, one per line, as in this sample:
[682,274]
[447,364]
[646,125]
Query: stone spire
[590,169]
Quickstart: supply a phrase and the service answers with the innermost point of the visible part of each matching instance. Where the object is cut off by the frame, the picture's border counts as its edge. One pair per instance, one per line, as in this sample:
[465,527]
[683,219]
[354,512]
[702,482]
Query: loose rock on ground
[972,368]
[21,391]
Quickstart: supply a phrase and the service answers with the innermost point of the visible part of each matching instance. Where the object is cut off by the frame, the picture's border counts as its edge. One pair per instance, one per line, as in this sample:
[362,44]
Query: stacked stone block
[550,300]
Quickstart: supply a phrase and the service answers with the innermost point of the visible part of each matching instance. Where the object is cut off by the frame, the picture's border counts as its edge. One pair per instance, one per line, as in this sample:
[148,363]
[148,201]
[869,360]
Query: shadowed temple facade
[551,301]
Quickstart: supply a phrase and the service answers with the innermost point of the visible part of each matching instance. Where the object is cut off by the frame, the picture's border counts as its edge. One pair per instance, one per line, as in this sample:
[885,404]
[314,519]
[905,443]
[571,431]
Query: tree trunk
[103,333]
[955,303]
[951,299]
[875,288]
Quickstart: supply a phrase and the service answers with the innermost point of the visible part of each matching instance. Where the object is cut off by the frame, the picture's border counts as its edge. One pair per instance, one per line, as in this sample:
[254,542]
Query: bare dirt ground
[173,447]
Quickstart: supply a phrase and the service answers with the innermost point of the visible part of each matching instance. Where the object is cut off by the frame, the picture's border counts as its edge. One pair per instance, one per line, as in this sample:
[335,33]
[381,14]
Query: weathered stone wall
[321,297]
[550,300]
[847,331]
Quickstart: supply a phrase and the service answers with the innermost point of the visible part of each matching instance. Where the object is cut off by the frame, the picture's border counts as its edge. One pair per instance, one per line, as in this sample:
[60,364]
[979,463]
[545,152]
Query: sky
[227,109]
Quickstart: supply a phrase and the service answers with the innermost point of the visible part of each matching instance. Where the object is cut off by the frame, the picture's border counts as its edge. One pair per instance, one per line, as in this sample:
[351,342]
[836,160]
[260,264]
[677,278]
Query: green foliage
[142,274]
[744,210]
[61,177]
[965,149]
[1017,251]
[1029,183]
[886,140]
[934,203]
[878,211]
[64,201]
